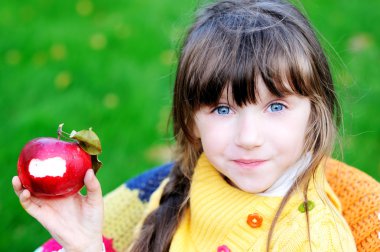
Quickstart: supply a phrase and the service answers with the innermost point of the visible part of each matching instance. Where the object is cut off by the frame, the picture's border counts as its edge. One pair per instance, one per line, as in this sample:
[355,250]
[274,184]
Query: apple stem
[61,133]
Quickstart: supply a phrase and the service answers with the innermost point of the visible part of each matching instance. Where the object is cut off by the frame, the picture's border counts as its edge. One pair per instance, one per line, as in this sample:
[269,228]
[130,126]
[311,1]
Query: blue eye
[223,110]
[276,107]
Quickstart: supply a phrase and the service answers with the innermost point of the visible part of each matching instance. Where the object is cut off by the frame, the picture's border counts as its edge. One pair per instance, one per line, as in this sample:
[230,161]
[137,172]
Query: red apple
[51,167]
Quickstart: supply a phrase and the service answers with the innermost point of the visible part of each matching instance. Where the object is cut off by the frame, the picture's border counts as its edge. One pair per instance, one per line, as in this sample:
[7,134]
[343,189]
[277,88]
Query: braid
[159,226]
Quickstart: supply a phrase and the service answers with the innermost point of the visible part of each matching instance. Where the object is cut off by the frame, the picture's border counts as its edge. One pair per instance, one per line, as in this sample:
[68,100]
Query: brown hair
[233,44]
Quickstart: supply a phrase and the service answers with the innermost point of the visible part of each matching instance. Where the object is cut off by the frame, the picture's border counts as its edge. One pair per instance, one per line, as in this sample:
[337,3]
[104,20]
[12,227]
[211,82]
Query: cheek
[213,136]
[288,138]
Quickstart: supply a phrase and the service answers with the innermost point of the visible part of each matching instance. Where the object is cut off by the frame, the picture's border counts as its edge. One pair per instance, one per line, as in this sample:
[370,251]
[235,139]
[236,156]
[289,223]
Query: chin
[253,190]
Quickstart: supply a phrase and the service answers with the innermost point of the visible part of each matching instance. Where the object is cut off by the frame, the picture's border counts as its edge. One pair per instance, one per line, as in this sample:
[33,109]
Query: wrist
[95,247]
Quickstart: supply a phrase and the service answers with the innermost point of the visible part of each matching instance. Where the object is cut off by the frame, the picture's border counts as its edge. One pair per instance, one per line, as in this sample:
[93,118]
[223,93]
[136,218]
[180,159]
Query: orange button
[254,220]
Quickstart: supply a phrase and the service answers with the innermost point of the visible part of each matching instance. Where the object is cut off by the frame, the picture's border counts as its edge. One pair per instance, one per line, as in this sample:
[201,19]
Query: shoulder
[327,228]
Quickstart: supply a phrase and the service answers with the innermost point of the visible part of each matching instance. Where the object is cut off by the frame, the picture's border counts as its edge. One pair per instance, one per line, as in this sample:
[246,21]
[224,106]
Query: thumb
[94,191]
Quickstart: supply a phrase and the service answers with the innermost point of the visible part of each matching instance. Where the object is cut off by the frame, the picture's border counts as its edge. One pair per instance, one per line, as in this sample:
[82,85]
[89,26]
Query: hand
[75,221]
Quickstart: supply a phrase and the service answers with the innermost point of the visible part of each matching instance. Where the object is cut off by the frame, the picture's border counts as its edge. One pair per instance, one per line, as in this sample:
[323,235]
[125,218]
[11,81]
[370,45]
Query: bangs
[232,51]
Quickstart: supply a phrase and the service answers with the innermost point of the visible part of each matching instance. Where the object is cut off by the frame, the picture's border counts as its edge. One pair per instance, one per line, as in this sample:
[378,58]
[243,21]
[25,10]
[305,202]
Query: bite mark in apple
[54,167]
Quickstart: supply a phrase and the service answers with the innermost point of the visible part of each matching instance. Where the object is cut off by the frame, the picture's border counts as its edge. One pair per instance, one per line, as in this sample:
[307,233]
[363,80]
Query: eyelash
[215,110]
[276,104]
[270,108]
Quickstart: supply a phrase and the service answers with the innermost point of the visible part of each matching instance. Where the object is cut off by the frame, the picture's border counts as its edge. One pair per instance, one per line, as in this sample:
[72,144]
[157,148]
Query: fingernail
[90,173]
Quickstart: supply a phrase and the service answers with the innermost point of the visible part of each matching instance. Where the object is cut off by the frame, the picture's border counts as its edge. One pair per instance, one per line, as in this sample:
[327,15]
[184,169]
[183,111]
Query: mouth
[249,163]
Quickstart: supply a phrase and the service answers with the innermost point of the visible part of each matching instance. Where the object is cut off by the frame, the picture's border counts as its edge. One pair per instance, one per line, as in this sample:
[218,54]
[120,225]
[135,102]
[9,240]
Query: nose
[249,134]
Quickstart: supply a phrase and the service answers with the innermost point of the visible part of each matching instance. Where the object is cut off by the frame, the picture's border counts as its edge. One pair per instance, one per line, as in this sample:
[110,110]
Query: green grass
[109,65]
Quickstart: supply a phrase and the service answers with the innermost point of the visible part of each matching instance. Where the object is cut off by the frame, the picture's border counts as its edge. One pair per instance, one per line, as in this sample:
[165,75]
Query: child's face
[255,144]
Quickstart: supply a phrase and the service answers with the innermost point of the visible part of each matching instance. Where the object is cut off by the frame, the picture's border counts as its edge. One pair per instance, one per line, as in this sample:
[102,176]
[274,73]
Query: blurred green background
[110,65]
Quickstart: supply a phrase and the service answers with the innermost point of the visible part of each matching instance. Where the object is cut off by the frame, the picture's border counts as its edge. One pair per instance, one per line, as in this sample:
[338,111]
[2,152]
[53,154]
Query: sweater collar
[219,210]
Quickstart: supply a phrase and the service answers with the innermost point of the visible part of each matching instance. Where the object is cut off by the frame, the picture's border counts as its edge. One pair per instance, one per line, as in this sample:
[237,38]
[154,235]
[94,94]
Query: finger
[29,204]
[23,194]
[17,186]
[26,200]
[94,191]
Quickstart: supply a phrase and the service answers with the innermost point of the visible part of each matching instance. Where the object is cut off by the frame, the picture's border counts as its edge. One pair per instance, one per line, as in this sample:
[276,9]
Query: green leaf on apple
[89,142]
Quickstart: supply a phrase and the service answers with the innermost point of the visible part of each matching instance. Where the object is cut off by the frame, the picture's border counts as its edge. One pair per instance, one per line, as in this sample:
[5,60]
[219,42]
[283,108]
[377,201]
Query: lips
[249,163]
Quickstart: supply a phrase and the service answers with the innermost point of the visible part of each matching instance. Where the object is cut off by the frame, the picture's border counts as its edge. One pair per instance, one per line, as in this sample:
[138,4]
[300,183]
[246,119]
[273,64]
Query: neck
[283,184]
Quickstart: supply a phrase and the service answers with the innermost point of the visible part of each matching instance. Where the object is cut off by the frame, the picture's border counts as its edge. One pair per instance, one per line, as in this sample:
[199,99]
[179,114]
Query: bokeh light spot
[58,52]
[162,126]
[168,57]
[111,101]
[159,153]
[84,7]
[122,30]
[13,57]
[360,42]
[98,41]
[63,80]
[345,78]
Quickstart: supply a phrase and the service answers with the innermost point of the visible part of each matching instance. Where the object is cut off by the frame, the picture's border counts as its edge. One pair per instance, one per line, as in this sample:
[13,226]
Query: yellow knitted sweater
[217,219]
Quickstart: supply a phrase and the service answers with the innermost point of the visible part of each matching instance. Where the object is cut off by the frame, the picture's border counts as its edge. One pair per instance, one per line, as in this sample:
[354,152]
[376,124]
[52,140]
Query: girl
[255,114]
